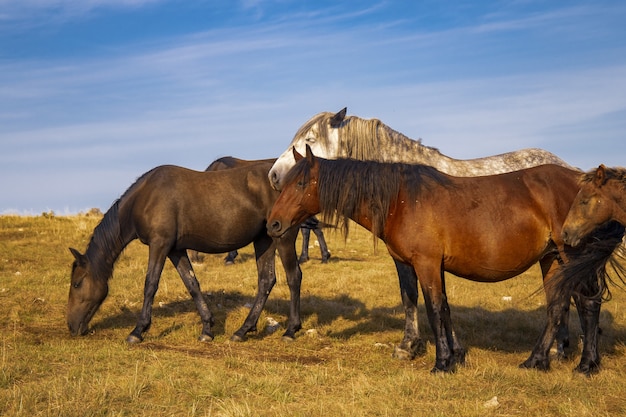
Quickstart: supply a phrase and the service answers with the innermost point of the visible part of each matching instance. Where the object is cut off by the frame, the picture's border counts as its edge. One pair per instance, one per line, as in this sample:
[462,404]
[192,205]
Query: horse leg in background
[230,257]
[306,235]
[185,270]
[156,261]
[288,257]
[265,252]
[323,246]
[412,344]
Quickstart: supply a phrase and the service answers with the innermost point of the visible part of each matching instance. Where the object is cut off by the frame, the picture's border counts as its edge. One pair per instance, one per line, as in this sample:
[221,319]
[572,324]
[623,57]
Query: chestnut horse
[172,209]
[484,229]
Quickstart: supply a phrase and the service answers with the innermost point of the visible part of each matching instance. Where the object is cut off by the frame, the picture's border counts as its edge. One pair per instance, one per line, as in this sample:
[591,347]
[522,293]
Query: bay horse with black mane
[172,209]
[484,229]
[337,135]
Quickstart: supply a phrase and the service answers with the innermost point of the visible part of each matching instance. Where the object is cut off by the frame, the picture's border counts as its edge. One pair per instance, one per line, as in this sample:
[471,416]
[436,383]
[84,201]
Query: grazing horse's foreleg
[288,257]
[264,250]
[156,261]
[412,344]
[185,270]
[304,254]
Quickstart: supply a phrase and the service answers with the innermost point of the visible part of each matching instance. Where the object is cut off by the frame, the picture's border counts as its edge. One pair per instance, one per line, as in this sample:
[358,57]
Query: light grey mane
[370,139]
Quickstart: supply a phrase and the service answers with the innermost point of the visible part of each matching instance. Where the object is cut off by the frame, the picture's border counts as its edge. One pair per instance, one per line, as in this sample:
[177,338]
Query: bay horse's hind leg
[288,257]
[589,313]
[322,241]
[265,252]
[304,254]
[412,344]
[185,270]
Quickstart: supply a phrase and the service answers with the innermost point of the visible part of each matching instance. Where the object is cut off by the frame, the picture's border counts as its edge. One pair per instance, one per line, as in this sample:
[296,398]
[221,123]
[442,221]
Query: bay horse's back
[197,208]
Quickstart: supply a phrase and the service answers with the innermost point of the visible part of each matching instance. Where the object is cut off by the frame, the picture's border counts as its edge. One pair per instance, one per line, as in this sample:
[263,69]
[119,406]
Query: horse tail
[601,262]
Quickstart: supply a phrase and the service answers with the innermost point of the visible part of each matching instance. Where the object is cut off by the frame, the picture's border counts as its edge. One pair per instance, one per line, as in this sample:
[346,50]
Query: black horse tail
[600,262]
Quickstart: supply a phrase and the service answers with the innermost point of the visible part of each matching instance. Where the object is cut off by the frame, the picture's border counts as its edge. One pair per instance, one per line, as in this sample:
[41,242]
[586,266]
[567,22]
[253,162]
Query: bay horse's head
[592,207]
[320,133]
[299,198]
[86,294]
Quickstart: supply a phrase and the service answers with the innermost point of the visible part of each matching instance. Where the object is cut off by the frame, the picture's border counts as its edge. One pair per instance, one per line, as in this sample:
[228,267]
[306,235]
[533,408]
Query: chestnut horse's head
[86,294]
[299,197]
[591,208]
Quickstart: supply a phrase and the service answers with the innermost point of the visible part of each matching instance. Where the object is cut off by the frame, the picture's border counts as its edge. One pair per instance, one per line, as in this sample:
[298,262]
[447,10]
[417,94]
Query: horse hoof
[133,340]
[540,365]
[402,354]
[288,339]
[237,338]
[229,263]
[303,260]
[205,338]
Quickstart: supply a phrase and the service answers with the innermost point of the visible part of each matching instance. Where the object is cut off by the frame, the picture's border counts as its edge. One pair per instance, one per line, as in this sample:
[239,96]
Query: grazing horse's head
[299,198]
[86,294]
[320,133]
[592,207]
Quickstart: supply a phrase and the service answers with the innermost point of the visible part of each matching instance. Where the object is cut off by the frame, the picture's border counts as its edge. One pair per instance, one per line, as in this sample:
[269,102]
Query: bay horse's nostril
[274,227]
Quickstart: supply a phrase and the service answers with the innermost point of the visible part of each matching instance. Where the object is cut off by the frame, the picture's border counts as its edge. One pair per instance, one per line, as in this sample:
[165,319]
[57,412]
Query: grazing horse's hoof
[133,340]
[542,365]
[588,368]
[237,338]
[287,338]
[303,259]
[404,353]
[205,338]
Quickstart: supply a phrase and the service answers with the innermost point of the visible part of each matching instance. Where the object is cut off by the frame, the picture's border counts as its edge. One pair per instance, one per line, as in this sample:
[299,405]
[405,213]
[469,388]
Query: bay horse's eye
[76,284]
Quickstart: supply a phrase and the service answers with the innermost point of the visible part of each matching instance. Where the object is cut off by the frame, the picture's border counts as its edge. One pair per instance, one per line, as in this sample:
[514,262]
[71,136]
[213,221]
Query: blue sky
[93,93]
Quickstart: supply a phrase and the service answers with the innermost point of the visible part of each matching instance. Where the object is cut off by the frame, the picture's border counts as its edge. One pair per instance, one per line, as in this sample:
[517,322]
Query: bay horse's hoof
[588,369]
[542,365]
[133,340]
[404,353]
[205,338]
[288,339]
[237,338]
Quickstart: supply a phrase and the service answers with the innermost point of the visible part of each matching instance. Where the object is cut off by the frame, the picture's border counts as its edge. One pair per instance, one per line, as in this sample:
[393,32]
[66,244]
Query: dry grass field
[340,364]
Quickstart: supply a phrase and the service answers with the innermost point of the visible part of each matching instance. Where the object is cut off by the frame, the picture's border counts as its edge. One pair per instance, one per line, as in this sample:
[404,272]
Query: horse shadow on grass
[510,330]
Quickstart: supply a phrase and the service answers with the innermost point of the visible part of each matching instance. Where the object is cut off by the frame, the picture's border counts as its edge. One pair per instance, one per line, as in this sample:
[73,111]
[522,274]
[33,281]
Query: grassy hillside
[340,364]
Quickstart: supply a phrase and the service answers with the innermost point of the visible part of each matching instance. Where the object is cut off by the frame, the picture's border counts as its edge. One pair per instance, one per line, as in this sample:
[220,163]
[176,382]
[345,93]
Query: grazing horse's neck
[107,243]
[619,198]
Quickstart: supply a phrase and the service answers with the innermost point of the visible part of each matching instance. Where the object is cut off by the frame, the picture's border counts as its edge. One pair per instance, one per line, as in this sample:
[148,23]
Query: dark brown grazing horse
[227,162]
[484,229]
[602,198]
[172,209]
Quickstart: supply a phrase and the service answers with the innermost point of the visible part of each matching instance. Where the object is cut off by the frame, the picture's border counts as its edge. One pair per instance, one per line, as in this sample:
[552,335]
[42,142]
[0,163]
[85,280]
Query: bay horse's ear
[309,155]
[80,258]
[338,118]
[296,154]
[600,177]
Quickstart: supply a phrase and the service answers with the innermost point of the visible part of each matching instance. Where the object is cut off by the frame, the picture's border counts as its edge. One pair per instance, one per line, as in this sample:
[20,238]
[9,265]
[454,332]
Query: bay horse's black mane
[344,184]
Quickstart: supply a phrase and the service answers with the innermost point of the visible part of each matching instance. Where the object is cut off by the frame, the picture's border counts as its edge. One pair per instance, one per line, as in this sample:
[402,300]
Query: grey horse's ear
[338,117]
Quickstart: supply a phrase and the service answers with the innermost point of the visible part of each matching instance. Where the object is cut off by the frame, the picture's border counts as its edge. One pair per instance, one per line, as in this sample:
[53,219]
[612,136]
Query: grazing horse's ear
[600,177]
[338,118]
[80,258]
[296,154]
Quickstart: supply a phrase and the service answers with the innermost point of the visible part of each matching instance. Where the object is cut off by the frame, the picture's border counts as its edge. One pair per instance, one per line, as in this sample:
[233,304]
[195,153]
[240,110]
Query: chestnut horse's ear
[309,155]
[296,154]
[338,118]
[600,177]
[80,258]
